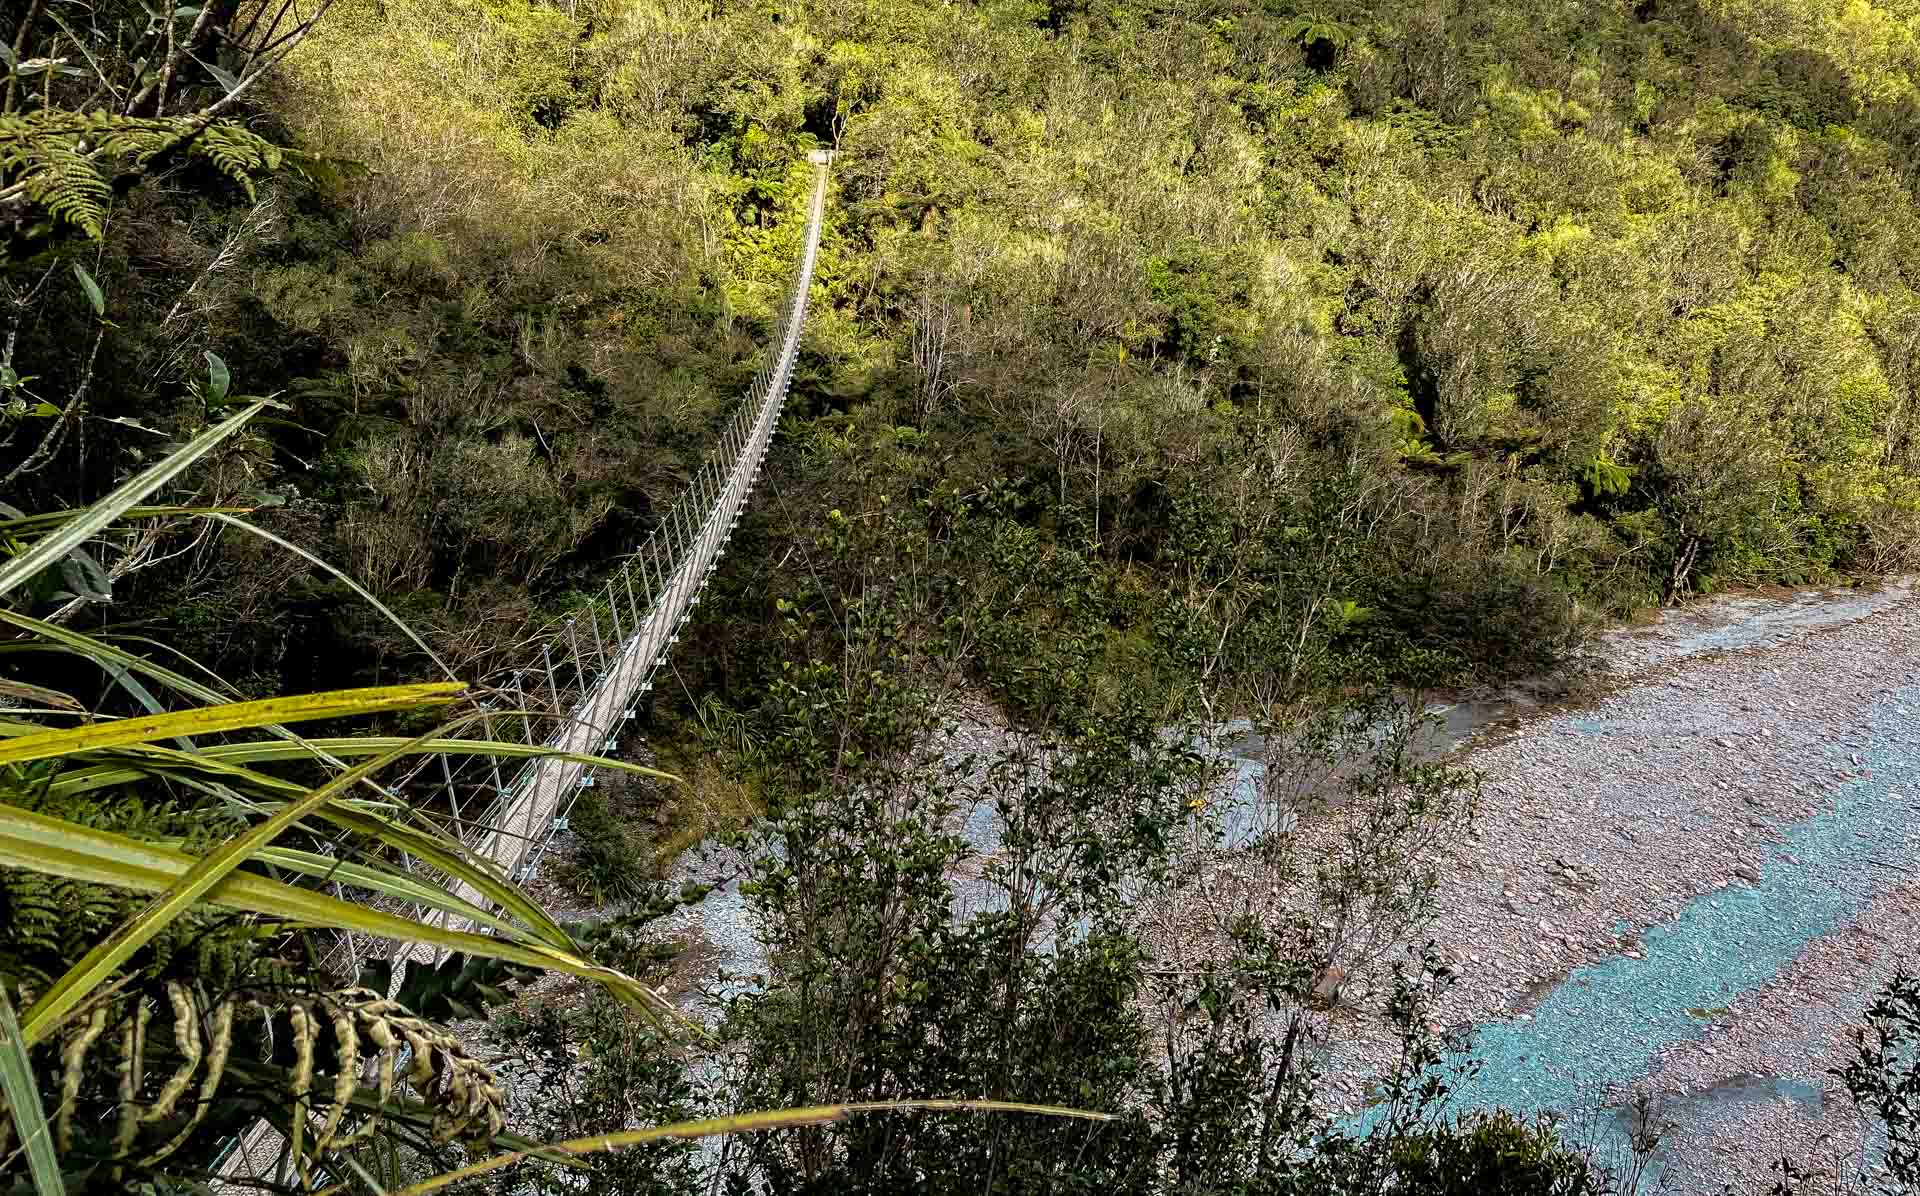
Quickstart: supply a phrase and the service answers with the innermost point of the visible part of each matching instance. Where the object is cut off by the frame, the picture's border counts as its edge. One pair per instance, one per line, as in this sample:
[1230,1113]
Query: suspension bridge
[593,667]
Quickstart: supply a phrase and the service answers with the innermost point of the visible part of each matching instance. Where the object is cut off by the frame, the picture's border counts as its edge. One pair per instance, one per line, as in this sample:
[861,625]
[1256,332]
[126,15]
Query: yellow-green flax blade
[23,1105]
[52,548]
[55,847]
[743,1123]
[107,956]
[228,716]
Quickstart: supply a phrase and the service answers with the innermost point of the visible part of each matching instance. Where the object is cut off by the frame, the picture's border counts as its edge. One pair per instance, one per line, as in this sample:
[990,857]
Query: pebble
[1666,826]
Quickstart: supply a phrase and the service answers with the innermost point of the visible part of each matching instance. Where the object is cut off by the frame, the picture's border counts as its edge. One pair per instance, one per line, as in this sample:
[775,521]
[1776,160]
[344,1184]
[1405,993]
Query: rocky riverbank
[1664,894]
[1694,885]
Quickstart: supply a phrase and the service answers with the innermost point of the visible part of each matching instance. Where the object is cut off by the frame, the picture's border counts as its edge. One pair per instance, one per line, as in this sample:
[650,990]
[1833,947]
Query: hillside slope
[1471,317]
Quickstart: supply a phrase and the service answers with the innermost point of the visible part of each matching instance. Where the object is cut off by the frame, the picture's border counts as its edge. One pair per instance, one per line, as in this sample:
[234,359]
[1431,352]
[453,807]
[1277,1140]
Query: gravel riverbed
[1608,836]
[1687,789]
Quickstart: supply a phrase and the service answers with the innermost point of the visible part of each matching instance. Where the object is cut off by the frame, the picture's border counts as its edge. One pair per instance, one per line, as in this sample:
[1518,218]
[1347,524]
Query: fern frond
[62,162]
[55,173]
[238,154]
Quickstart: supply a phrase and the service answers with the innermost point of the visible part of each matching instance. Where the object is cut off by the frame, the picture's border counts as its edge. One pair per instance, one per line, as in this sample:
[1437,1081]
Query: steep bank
[1495,309]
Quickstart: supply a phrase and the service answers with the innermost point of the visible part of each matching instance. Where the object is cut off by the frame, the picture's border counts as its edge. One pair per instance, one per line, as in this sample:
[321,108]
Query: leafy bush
[1884,1078]
[612,859]
[1493,1155]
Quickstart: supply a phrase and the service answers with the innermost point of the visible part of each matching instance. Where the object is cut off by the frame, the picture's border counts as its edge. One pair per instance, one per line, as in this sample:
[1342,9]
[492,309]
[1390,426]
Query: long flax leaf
[741,1123]
[51,637]
[23,1105]
[106,956]
[22,691]
[387,882]
[337,575]
[452,858]
[53,846]
[124,678]
[46,521]
[49,550]
[228,716]
[427,844]
[226,758]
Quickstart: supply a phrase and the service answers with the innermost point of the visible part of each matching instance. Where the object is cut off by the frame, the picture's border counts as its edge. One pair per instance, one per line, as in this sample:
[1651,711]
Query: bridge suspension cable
[593,666]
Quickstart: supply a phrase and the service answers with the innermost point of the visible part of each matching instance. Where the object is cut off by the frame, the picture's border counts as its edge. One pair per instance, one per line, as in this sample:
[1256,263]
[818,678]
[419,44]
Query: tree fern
[62,163]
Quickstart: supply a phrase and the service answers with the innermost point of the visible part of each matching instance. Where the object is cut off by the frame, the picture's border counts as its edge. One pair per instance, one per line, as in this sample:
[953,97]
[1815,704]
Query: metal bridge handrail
[706,512]
[627,629]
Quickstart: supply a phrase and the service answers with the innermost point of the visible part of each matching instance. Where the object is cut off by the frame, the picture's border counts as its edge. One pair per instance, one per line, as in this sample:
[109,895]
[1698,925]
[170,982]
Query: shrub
[612,860]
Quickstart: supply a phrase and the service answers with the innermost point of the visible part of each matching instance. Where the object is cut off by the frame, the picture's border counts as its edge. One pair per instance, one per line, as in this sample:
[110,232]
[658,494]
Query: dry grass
[709,802]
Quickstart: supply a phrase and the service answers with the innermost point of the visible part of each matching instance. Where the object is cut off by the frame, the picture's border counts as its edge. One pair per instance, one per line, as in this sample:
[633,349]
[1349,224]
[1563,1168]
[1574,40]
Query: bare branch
[176,54]
[20,51]
[245,38]
[56,435]
[99,72]
[291,41]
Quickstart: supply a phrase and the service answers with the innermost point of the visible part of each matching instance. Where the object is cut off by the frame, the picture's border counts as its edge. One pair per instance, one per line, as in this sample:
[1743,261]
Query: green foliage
[599,1069]
[64,162]
[1605,479]
[1883,1078]
[461,987]
[611,861]
[1497,1153]
[42,917]
[1514,300]
[1035,977]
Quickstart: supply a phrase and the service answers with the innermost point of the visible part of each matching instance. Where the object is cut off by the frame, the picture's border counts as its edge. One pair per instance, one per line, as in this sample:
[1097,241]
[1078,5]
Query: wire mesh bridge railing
[593,665]
[596,662]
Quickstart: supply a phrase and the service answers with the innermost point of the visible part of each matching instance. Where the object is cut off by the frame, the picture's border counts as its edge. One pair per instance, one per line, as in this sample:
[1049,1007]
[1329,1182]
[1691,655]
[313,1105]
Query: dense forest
[1567,310]
[1166,360]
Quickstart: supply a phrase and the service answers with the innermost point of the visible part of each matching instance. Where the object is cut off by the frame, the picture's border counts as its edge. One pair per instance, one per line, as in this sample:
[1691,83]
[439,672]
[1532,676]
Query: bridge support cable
[592,669]
[654,592]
